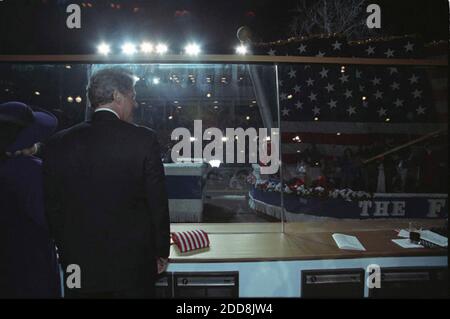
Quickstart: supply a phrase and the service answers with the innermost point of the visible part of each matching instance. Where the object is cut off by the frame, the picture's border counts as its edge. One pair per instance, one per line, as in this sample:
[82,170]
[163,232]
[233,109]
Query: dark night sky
[38,26]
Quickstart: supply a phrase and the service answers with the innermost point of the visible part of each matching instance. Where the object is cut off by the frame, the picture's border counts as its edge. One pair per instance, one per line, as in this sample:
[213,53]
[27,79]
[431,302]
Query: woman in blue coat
[28,265]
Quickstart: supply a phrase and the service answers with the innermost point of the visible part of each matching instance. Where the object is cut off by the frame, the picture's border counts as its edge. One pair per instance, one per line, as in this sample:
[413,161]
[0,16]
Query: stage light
[128,48]
[388,119]
[37,93]
[103,48]
[69,99]
[146,47]
[78,99]
[156,81]
[242,49]
[338,133]
[247,118]
[208,95]
[170,117]
[316,119]
[192,49]
[68,67]
[289,96]
[161,48]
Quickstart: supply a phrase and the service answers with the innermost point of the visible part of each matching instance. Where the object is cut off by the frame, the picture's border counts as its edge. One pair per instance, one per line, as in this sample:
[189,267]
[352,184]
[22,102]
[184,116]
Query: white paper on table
[434,238]
[406,243]
[403,233]
[348,242]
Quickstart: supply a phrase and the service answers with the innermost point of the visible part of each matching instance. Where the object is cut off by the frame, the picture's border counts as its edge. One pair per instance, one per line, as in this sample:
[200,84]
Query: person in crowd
[28,260]
[348,169]
[105,194]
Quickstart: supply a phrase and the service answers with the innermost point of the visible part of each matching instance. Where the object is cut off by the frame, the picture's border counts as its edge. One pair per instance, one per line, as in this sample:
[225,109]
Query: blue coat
[28,265]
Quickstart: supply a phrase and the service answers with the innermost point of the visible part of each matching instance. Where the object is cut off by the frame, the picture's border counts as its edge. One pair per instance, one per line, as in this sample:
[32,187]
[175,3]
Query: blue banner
[381,205]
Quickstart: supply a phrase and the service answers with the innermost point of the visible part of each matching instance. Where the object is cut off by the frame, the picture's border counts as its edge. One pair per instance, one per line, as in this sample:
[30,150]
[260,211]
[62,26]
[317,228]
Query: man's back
[107,204]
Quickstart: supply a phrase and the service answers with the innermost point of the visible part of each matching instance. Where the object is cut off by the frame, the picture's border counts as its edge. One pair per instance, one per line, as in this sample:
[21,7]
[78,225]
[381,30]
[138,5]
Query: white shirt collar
[107,109]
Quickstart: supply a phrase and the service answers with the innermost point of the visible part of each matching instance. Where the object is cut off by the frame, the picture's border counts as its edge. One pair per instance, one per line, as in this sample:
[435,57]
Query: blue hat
[38,125]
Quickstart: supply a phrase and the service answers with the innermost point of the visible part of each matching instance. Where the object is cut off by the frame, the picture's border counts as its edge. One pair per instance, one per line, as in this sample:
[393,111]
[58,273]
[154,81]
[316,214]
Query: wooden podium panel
[307,241]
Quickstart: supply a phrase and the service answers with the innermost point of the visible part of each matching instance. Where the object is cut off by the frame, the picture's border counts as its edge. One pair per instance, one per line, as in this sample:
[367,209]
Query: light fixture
[103,48]
[192,49]
[289,96]
[156,81]
[247,118]
[170,117]
[69,99]
[161,48]
[316,119]
[128,48]
[78,99]
[388,119]
[68,67]
[146,47]
[338,133]
[208,95]
[364,98]
[37,93]
[242,49]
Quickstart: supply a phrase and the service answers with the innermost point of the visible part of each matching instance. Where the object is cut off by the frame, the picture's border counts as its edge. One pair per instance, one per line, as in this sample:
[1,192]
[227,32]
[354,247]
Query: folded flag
[190,240]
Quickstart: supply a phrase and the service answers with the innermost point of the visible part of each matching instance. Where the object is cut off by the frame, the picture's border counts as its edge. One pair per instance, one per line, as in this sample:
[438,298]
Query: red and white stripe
[190,240]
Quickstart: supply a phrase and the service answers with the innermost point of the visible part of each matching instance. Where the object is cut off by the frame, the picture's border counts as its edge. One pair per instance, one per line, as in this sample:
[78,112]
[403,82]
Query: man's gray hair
[103,83]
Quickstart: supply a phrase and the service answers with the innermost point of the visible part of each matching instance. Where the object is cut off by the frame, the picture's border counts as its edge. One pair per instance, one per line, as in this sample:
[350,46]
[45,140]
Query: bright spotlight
[161,48]
[242,49]
[104,49]
[146,47]
[128,48]
[155,80]
[192,49]
[78,99]
[69,99]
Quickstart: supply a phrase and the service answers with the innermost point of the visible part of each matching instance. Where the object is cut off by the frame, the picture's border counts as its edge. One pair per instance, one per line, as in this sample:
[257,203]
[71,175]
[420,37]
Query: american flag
[339,106]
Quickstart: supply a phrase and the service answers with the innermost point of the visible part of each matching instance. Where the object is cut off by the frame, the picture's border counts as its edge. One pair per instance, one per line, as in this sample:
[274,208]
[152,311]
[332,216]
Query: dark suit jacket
[106,202]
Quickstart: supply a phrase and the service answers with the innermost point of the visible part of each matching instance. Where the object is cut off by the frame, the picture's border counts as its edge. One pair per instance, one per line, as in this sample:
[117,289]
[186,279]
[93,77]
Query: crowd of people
[417,169]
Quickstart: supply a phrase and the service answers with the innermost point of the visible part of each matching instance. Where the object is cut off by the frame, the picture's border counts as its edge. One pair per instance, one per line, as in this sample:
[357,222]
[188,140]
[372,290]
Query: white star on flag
[362,88]
[329,87]
[271,52]
[413,79]
[417,93]
[344,78]
[302,48]
[324,73]
[312,97]
[378,94]
[320,54]
[292,73]
[398,103]
[316,110]
[389,53]
[351,110]
[409,46]
[381,112]
[348,93]
[285,112]
[393,70]
[370,50]
[332,104]
[376,81]
[420,110]
[310,82]
[296,88]
[299,105]
[395,86]
[336,45]
[358,74]
[283,96]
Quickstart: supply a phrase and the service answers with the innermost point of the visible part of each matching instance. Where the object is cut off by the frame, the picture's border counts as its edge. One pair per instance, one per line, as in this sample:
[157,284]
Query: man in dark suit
[105,195]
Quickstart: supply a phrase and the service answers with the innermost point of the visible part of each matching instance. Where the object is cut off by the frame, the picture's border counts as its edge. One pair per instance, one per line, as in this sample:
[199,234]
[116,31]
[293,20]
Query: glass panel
[364,142]
[198,97]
